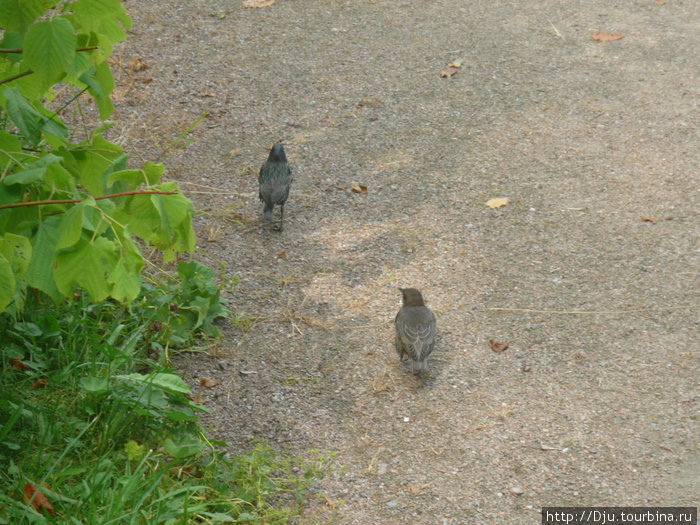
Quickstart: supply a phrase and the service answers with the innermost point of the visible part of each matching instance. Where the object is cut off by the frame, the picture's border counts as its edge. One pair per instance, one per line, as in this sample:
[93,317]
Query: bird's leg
[281,217]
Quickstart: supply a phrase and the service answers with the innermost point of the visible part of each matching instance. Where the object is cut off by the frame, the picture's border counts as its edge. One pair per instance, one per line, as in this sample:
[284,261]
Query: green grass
[92,415]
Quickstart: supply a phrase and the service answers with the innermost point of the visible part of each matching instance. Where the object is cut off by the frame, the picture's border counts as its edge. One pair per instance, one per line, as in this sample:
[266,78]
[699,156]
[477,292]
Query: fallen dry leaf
[649,219]
[137,64]
[359,188]
[448,71]
[282,254]
[413,488]
[498,346]
[255,4]
[146,80]
[39,502]
[606,36]
[207,382]
[332,504]
[498,202]
[39,383]
[17,364]
[456,63]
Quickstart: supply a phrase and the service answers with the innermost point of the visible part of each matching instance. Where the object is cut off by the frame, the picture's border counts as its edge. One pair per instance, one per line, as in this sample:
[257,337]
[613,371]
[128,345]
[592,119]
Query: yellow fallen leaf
[498,202]
[606,36]
[498,346]
[358,188]
[208,382]
[448,71]
[254,4]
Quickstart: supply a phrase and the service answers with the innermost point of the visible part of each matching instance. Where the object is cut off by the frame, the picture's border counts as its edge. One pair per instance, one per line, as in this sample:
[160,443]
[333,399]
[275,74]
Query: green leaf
[49,47]
[10,150]
[162,380]
[22,114]
[32,172]
[94,385]
[52,125]
[126,279]
[100,85]
[30,121]
[40,271]
[94,161]
[184,447]
[12,40]
[91,14]
[7,283]
[18,15]
[133,178]
[87,266]
[149,175]
[60,179]
[71,226]
[17,250]
[172,208]
[153,171]
[78,67]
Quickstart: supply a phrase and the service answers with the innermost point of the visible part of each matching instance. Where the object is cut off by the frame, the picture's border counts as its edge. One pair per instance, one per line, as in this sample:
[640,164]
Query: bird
[415,330]
[274,180]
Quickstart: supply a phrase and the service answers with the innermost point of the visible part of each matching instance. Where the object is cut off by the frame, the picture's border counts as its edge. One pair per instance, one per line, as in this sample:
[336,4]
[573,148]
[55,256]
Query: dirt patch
[595,402]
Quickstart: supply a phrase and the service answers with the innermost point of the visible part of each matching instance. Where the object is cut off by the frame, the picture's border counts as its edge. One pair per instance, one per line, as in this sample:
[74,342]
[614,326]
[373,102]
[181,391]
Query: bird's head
[412,297]
[277,153]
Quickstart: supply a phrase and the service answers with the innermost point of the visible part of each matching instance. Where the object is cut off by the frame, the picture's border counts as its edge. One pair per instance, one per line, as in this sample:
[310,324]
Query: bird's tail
[417,366]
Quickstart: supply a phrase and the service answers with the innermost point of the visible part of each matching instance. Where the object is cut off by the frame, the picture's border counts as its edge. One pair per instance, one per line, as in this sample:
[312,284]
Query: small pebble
[517,491]
[393,503]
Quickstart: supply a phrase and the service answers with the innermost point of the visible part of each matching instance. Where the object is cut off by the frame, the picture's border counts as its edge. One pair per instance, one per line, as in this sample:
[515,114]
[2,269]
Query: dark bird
[415,330]
[275,179]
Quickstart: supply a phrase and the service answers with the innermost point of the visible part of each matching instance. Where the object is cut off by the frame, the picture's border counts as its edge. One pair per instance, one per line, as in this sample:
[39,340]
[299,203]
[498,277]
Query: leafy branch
[31,71]
[59,245]
[71,201]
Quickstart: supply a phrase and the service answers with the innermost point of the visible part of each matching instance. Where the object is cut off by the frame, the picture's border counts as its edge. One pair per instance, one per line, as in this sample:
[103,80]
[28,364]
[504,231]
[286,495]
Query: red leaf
[39,383]
[39,502]
[17,364]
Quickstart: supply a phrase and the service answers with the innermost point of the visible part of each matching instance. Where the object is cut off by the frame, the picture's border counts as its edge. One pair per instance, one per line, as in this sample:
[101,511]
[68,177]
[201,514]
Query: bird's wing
[419,337]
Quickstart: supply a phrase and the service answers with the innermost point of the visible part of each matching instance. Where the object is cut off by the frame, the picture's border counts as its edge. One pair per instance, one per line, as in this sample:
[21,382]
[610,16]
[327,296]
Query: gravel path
[595,402]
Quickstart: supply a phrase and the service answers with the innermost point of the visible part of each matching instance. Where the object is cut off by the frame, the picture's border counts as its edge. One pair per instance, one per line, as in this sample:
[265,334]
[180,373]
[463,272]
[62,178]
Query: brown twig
[30,71]
[18,75]
[20,50]
[69,201]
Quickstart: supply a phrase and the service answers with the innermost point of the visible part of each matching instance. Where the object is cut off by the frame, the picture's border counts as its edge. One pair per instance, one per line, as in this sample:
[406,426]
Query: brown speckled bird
[415,330]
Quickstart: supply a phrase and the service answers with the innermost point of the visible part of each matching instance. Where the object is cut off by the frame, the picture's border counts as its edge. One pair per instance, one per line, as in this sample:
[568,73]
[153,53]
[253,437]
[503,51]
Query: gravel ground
[595,402]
